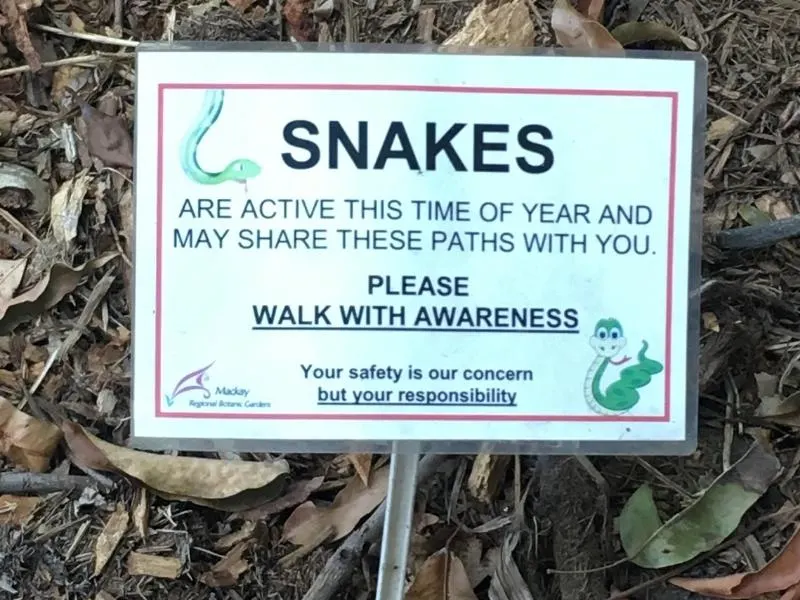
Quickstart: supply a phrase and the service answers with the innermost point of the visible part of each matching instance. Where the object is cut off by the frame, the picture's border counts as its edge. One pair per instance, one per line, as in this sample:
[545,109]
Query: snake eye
[601,333]
[615,333]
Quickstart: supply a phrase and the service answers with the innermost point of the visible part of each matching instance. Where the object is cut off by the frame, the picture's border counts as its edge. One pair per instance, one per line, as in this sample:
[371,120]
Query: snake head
[608,340]
[241,169]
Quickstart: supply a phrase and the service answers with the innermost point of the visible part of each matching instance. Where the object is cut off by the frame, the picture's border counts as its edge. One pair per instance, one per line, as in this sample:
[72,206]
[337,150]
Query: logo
[194,390]
[189,383]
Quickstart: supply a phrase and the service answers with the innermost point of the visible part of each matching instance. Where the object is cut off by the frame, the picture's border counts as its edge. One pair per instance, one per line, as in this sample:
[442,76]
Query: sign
[429,246]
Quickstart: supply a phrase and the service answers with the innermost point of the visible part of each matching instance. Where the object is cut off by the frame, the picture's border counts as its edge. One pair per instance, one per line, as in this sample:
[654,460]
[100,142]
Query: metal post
[398,520]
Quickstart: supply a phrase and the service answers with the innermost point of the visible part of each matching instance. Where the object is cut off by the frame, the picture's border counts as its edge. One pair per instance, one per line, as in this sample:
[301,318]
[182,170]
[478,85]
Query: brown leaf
[574,30]
[241,5]
[296,493]
[163,567]
[637,32]
[299,21]
[66,207]
[508,25]
[227,571]
[362,463]
[441,577]
[110,537]
[13,12]
[108,137]
[720,128]
[17,177]
[11,272]
[592,9]
[204,481]
[782,573]
[48,292]
[16,510]
[27,441]
[309,525]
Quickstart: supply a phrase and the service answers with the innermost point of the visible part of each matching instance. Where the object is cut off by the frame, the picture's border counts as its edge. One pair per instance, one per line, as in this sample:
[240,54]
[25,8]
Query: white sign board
[414,246]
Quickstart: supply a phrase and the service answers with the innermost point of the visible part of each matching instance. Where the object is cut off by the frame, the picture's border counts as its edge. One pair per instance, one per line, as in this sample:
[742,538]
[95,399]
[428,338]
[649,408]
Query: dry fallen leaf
[592,9]
[241,5]
[163,567]
[227,571]
[299,21]
[16,510]
[309,525]
[774,207]
[49,291]
[16,177]
[722,127]
[108,138]
[110,537]
[66,207]
[362,463]
[574,30]
[508,25]
[221,484]
[782,573]
[13,14]
[27,441]
[11,272]
[441,577]
[296,493]
[710,322]
[636,32]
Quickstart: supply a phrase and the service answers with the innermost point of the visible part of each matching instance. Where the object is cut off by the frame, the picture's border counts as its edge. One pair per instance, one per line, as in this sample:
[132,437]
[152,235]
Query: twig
[98,293]
[15,222]
[118,10]
[72,60]
[759,236]
[89,37]
[40,483]
[343,562]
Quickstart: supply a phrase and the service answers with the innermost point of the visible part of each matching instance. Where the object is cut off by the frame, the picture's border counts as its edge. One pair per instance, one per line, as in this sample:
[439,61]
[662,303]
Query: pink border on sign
[671,96]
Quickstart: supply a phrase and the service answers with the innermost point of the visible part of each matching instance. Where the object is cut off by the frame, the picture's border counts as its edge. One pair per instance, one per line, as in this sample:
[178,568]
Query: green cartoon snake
[238,170]
[622,394]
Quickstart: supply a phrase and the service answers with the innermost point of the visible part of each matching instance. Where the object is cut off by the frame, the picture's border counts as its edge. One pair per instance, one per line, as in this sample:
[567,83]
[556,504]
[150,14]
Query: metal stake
[398,520]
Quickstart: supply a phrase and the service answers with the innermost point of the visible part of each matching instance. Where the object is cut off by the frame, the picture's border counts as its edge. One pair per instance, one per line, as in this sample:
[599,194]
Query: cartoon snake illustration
[238,170]
[622,394]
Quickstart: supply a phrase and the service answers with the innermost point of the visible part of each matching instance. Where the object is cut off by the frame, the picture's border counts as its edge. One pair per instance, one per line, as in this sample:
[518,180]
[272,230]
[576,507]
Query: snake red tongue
[621,361]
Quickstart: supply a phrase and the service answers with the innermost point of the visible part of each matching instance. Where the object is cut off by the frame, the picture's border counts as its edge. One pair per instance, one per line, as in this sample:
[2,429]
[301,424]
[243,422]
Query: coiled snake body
[623,394]
[240,169]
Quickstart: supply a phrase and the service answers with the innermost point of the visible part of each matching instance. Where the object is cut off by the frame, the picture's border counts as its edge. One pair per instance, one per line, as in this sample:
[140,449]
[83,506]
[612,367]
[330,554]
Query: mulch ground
[750,299]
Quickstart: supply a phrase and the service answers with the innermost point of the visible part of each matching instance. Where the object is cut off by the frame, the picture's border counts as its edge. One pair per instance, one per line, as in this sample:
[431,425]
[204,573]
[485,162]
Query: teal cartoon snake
[240,169]
[623,394]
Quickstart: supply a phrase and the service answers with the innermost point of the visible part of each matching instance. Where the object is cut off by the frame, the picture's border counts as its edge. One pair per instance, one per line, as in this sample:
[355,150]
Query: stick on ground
[760,236]
[40,483]
[343,562]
